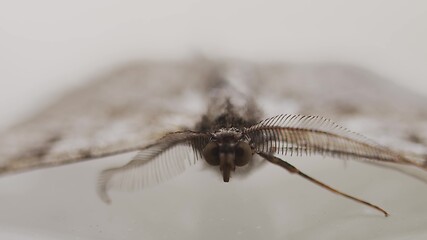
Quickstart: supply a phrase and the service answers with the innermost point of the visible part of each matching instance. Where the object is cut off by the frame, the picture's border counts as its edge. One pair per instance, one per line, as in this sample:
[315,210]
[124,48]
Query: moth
[224,113]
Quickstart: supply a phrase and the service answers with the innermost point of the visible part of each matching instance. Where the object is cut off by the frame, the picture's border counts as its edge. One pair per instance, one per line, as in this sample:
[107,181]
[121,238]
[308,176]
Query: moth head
[227,149]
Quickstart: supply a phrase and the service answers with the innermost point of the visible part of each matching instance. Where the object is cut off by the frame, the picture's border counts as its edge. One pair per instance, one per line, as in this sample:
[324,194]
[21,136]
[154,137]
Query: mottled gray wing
[353,97]
[337,90]
[122,111]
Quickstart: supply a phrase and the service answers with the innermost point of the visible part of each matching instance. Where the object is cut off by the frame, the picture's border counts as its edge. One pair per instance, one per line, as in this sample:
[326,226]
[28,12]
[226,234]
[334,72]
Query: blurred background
[48,47]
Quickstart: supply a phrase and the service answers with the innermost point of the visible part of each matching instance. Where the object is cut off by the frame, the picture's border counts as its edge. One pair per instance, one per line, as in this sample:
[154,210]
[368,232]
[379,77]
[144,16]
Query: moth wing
[336,89]
[353,97]
[122,111]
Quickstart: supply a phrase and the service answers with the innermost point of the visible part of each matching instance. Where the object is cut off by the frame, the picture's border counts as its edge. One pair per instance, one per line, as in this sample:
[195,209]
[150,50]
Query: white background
[47,46]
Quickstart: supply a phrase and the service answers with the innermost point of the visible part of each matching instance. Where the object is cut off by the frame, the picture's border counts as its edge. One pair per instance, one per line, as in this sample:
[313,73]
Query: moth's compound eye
[243,154]
[211,153]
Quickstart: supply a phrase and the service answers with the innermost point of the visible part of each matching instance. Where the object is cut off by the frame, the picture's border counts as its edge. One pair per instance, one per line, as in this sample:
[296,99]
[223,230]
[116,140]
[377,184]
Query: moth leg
[293,169]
